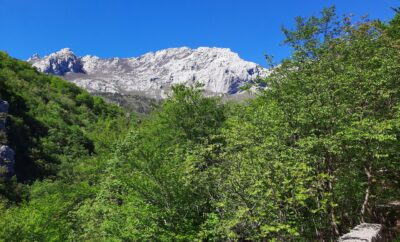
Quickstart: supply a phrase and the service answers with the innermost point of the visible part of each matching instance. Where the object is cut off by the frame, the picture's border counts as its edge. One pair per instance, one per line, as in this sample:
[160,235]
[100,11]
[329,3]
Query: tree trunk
[335,228]
[368,172]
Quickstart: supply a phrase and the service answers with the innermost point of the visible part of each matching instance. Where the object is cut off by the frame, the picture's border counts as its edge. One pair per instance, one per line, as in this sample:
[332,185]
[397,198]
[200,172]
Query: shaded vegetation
[51,122]
[135,103]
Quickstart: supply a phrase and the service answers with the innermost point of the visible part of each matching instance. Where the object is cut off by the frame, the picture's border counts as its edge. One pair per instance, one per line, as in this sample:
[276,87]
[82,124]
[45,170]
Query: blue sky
[124,28]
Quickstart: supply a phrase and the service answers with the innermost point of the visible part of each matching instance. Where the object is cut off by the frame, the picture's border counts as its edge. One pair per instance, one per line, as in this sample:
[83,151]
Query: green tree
[340,96]
[146,194]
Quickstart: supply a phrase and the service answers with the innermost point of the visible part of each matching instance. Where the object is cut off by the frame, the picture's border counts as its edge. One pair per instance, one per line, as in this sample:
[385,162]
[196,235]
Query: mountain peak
[65,50]
[58,63]
[65,53]
[34,57]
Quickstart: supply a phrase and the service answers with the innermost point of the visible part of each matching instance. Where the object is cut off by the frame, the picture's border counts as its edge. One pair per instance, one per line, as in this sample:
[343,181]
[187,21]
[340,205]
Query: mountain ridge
[220,70]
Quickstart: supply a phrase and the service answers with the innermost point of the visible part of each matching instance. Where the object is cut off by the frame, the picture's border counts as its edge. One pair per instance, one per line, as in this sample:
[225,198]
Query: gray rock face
[59,63]
[4,106]
[2,124]
[7,160]
[152,75]
[363,233]
[3,114]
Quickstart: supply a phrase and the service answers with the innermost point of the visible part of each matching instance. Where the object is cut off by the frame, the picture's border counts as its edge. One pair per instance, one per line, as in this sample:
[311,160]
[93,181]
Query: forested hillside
[53,127]
[314,154]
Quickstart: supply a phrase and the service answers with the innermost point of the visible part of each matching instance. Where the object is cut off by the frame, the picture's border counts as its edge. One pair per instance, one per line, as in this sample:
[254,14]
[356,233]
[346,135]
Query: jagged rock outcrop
[363,233]
[4,106]
[3,114]
[7,161]
[219,69]
[59,63]
[7,155]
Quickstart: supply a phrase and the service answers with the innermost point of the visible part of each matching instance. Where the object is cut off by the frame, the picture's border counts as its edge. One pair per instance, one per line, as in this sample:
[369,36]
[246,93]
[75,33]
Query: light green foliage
[340,97]
[263,184]
[52,121]
[58,132]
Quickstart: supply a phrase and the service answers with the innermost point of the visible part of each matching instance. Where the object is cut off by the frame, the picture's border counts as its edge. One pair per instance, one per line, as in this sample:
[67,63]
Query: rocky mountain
[151,75]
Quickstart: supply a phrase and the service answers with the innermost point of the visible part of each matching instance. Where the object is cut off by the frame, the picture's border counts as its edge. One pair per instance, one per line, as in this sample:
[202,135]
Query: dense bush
[57,130]
[51,122]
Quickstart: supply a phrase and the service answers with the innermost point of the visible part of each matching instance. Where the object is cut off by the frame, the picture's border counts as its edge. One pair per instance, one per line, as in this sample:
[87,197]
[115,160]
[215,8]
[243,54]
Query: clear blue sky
[126,28]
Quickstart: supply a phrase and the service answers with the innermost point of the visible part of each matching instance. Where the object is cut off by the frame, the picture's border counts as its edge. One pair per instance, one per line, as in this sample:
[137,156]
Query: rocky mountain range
[151,75]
